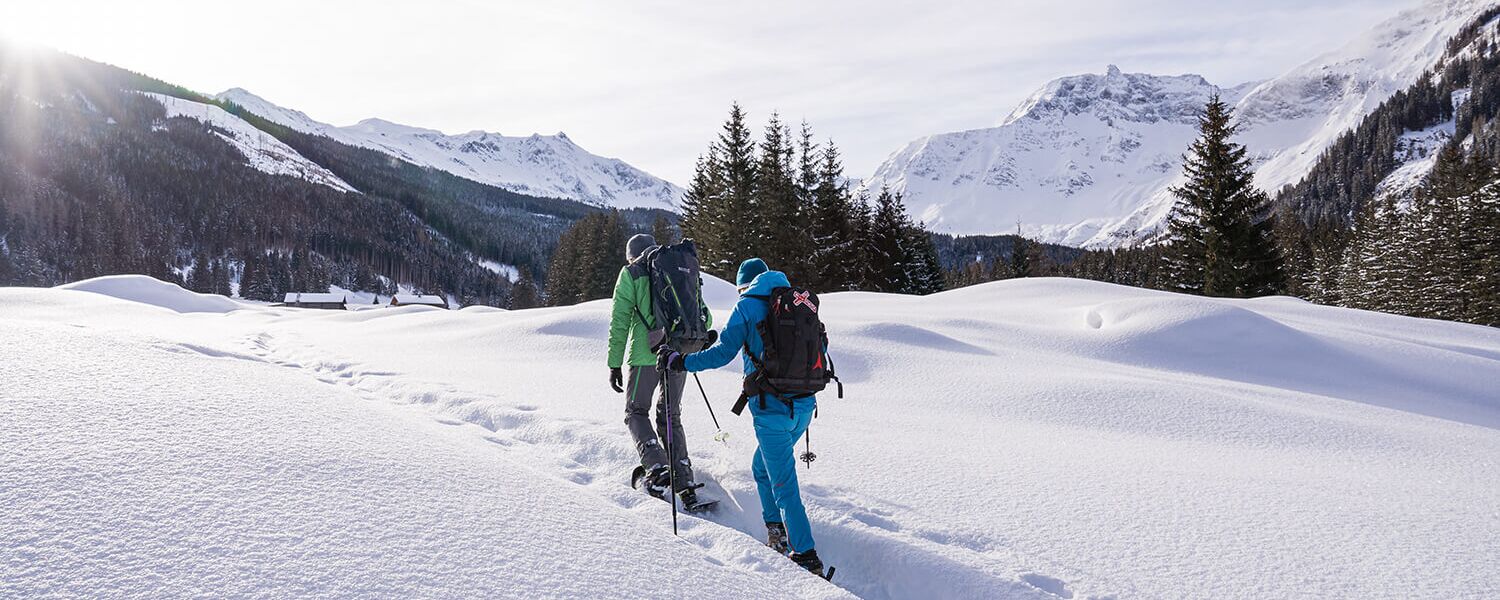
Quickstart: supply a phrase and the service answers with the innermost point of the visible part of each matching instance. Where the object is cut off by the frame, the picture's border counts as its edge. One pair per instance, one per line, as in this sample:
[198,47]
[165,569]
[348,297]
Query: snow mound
[147,290]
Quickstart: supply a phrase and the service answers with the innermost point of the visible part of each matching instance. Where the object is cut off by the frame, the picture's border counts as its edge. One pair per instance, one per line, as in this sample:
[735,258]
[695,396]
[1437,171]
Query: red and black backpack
[795,363]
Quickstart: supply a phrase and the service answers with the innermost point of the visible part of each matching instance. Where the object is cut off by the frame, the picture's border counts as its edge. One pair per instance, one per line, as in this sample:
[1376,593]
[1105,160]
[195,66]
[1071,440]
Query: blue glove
[668,359]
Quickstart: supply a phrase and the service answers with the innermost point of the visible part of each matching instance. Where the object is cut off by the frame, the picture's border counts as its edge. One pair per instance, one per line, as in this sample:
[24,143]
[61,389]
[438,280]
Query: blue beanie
[749,270]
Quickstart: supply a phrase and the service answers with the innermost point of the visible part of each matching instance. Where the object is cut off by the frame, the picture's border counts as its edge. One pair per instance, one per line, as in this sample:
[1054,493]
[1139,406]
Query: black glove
[617,380]
[668,359]
[713,337]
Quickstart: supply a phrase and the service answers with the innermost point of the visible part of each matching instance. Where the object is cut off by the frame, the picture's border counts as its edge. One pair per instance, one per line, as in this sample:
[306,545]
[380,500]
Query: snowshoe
[776,538]
[809,560]
[692,504]
[654,482]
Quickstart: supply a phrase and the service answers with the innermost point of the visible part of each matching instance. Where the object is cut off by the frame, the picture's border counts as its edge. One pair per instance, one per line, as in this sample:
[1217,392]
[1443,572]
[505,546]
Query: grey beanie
[638,245]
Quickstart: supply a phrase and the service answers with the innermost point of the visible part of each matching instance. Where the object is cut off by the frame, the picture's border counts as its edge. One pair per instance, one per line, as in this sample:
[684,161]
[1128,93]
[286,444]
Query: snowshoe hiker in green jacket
[631,327]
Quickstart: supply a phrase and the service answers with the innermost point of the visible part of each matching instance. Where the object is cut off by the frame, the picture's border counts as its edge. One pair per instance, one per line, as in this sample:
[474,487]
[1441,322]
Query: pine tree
[782,238]
[1020,256]
[1220,236]
[1364,273]
[888,243]
[256,282]
[524,293]
[663,231]
[739,225]
[1486,283]
[863,271]
[587,260]
[924,272]
[832,223]
[221,278]
[198,278]
[702,210]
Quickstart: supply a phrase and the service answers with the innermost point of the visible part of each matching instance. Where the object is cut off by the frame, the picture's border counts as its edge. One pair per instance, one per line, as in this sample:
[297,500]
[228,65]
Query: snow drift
[146,290]
[1021,439]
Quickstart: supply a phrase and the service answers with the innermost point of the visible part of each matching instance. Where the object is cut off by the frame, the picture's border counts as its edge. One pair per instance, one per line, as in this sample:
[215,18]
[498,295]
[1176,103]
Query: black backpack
[795,363]
[675,297]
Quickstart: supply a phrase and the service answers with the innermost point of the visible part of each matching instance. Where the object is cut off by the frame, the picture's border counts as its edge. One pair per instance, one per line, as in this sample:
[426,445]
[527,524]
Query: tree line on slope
[1333,237]
[1220,238]
[783,198]
[1429,253]
[94,180]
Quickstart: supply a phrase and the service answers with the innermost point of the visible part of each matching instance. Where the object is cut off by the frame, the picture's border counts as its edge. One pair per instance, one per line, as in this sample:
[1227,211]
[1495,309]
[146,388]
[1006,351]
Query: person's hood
[765,282]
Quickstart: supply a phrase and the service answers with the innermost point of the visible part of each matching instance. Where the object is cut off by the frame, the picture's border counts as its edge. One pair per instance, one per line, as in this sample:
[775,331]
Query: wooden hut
[419,300]
[315,300]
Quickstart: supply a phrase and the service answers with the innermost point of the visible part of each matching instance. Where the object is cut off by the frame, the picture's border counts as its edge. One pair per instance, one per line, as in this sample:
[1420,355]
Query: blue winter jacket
[740,332]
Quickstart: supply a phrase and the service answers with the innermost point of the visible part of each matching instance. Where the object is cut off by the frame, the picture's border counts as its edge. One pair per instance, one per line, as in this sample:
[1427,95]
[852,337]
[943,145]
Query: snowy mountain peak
[1089,159]
[538,165]
[387,128]
[1136,97]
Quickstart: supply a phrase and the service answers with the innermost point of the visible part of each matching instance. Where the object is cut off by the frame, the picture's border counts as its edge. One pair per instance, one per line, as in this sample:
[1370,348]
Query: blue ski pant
[777,431]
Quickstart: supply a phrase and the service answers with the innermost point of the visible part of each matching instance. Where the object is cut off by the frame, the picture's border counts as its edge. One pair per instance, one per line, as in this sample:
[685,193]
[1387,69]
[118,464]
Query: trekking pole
[666,399]
[808,456]
[722,435]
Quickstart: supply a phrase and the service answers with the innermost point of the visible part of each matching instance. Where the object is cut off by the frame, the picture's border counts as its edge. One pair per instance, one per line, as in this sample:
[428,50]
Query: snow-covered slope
[1022,439]
[537,165]
[1078,151]
[261,150]
[1095,175]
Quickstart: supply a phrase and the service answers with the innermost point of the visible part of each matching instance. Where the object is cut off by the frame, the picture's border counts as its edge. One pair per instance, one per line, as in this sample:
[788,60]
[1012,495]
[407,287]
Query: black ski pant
[650,439]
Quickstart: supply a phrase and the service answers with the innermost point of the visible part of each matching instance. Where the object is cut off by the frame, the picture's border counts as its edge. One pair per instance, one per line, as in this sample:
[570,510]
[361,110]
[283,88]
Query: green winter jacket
[632,302]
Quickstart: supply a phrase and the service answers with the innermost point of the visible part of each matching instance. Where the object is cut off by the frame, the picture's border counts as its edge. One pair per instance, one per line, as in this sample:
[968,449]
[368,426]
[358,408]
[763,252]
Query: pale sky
[650,81]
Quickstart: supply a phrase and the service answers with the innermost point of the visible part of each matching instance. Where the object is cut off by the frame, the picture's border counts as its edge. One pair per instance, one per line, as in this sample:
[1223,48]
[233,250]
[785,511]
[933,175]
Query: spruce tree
[524,293]
[924,272]
[1220,236]
[221,278]
[563,282]
[740,225]
[775,226]
[1020,256]
[889,243]
[832,224]
[663,231]
[863,272]
[702,208]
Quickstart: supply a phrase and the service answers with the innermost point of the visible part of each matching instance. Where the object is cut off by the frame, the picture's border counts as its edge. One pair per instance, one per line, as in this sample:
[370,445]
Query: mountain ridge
[538,165]
[1288,122]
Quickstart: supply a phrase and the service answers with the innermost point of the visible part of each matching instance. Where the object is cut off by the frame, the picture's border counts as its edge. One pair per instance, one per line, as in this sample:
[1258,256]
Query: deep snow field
[1044,438]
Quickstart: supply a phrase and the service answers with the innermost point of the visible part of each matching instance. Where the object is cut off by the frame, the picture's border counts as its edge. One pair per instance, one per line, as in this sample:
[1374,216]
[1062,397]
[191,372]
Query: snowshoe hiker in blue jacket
[778,425]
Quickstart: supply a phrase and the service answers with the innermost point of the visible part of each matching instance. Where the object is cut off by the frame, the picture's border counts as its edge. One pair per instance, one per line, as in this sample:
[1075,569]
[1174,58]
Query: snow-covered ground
[260,149]
[538,165]
[1023,439]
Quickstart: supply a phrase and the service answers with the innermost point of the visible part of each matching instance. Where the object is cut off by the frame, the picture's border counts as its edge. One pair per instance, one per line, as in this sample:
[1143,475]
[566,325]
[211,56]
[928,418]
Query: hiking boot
[809,560]
[776,537]
[658,481]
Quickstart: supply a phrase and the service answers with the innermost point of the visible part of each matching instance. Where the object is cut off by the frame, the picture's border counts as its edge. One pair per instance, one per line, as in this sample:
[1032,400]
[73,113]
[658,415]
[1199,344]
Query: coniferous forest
[782,198]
